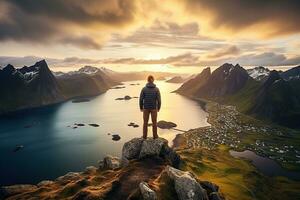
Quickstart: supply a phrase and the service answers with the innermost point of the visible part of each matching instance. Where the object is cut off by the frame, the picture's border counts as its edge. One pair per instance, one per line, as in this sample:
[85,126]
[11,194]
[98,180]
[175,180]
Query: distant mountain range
[87,81]
[35,86]
[269,95]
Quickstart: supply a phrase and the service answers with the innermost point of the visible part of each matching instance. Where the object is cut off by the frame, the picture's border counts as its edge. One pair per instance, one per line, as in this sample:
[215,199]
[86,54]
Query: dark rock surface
[127,97]
[79,124]
[139,148]
[116,137]
[165,124]
[94,125]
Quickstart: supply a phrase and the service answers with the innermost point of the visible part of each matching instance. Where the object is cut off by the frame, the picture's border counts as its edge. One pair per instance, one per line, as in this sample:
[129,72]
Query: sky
[133,35]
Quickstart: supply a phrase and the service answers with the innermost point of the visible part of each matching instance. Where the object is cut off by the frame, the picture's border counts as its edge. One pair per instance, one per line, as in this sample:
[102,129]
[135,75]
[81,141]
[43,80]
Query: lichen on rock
[147,192]
[186,186]
[139,148]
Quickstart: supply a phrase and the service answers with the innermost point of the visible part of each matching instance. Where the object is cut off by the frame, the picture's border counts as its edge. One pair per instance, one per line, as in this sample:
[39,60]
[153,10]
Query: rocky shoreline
[148,169]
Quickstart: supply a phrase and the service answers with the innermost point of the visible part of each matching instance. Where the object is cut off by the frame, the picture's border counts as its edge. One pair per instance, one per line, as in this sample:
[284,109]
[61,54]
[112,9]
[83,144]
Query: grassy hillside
[238,179]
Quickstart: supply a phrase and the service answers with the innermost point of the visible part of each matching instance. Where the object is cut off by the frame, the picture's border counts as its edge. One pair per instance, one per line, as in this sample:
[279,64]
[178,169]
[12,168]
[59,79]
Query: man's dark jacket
[150,97]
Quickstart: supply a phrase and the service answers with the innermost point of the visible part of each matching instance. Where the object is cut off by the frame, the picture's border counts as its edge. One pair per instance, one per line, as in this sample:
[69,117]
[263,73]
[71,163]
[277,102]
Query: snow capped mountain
[26,74]
[28,87]
[89,70]
[225,80]
[258,73]
[36,85]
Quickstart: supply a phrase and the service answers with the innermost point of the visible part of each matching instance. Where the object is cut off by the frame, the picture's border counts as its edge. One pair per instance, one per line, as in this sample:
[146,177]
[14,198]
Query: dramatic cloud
[252,17]
[84,23]
[89,23]
[267,59]
[150,32]
[228,51]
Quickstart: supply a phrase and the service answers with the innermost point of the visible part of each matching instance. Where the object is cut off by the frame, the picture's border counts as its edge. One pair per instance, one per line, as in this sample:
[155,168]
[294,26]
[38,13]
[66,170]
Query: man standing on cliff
[150,103]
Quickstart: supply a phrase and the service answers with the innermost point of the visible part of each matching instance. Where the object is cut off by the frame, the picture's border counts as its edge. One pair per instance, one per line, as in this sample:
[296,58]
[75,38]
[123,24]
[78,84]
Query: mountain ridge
[273,99]
[36,85]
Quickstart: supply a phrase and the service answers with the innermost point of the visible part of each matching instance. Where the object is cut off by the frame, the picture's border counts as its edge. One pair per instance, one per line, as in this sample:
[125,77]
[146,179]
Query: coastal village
[241,132]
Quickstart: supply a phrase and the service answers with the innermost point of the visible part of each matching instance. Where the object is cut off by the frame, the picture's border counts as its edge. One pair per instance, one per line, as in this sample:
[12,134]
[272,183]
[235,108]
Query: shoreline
[241,132]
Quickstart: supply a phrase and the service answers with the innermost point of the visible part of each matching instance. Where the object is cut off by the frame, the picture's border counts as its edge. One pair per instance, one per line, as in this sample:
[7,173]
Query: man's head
[150,79]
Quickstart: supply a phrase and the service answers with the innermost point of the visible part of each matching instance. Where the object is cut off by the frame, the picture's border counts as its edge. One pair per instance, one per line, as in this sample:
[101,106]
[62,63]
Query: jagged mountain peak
[206,70]
[8,69]
[227,79]
[88,69]
[227,71]
[259,73]
[41,63]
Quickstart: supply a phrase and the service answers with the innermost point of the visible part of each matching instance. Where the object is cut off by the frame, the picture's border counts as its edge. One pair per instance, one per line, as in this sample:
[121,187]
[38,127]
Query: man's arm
[142,99]
[158,100]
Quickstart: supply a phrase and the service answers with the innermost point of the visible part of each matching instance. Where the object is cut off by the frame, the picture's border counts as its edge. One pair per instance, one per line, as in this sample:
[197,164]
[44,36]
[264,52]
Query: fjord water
[52,149]
[265,165]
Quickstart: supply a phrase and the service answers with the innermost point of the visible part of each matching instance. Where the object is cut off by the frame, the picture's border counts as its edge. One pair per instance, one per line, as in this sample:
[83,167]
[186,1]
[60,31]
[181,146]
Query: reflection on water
[265,165]
[51,148]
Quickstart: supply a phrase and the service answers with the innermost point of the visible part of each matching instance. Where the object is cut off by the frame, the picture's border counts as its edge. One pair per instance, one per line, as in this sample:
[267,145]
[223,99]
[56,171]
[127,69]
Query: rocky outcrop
[116,137]
[110,162]
[7,191]
[152,147]
[132,148]
[186,186]
[147,192]
[142,173]
[139,148]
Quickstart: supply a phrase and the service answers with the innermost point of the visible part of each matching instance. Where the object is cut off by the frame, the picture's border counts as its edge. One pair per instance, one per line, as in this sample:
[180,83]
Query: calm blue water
[51,148]
[267,166]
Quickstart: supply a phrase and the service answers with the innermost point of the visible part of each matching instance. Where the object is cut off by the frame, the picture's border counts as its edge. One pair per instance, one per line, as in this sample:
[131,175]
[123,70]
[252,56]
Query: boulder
[127,97]
[71,176]
[147,192]
[186,185]
[110,162]
[45,183]
[94,125]
[139,148]
[132,148]
[116,137]
[7,191]
[79,124]
[165,125]
[90,170]
[152,147]
[131,124]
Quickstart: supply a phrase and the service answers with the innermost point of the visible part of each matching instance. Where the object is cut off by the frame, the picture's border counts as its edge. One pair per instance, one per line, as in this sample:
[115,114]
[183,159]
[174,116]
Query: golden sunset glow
[149,34]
